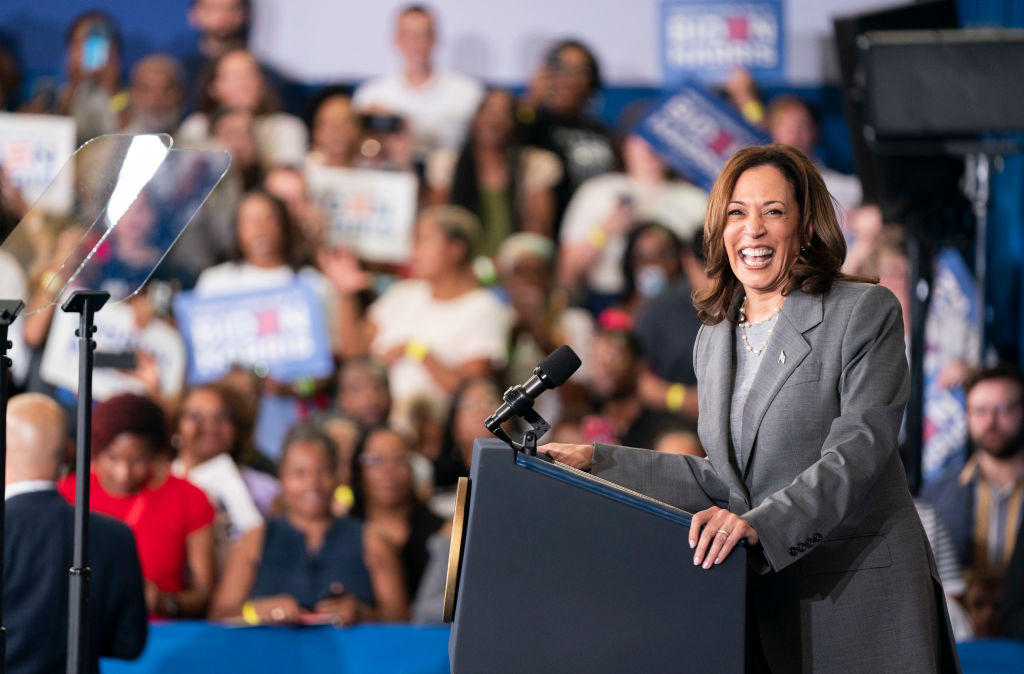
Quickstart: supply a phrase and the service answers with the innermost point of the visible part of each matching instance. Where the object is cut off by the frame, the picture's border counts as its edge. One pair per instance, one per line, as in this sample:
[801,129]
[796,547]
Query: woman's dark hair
[291,252]
[309,431]
[823,248]
[448,466]
[553,58]
[239,415]
[629,267]
[268,103]
[465,180]
[128,413]
[358,492]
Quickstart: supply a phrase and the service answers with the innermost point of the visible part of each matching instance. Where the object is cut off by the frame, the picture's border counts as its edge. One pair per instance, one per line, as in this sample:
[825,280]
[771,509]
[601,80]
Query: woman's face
[478,402]
[793,125]
[496,120]
[761,234]
[235,133]
[238,82]
[260,232]
[654,262]
[125,466]
[430,251]
[205,426]
[364,395]
[387,475]
[336,129]
[307,481]
[570,85]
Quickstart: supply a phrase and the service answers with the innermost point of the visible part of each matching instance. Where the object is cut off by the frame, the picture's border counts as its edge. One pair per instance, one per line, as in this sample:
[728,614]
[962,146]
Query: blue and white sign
[705,40]
[33,148]
[695,133]
[282,330]
[369,212]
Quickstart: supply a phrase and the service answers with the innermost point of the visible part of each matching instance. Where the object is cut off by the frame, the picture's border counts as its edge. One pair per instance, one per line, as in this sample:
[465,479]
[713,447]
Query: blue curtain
[1005,246]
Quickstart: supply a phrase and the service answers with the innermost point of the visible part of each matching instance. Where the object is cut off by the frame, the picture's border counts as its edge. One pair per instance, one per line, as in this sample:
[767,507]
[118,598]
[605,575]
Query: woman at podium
[802,382]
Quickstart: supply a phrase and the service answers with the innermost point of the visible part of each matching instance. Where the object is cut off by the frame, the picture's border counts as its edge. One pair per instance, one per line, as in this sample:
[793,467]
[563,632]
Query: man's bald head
[36,438]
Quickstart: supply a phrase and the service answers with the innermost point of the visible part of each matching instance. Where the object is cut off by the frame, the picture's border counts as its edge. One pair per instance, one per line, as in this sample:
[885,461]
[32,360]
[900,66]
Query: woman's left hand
[715,532]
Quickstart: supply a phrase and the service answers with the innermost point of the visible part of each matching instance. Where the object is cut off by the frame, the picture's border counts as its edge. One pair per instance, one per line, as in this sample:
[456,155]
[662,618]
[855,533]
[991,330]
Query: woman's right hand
[277,610]
[577,456]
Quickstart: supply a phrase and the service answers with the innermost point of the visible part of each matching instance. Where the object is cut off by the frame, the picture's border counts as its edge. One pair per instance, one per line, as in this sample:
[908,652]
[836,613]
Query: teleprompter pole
[85,303]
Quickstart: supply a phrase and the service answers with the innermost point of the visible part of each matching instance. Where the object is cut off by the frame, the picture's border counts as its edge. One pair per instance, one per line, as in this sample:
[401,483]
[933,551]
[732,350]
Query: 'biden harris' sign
[695,133]
[704,40]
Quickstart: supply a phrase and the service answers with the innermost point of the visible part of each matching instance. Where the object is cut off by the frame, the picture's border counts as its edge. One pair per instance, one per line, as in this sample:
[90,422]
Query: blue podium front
[563,572]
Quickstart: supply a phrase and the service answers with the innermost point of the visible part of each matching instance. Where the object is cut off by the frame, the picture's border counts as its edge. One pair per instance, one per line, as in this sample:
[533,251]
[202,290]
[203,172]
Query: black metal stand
[86,303]
[9,310]
[522,406]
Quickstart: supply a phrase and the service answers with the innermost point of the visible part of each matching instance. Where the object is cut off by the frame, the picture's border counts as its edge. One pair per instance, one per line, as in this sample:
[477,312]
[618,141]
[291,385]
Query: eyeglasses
[200,417]
[1000,409]
[376,460]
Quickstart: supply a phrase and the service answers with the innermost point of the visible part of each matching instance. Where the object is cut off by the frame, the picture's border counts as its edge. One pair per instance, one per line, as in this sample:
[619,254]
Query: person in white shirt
[433,330]
[437,104]
[606,208]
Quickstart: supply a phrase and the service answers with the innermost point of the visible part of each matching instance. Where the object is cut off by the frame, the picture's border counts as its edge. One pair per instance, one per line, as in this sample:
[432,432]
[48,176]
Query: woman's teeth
[756,257]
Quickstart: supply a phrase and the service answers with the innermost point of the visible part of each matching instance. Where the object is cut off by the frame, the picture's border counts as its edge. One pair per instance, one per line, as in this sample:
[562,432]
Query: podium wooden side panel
[556,577]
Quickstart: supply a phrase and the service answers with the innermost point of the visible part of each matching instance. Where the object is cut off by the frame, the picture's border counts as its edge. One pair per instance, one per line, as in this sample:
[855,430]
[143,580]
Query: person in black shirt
[553,117]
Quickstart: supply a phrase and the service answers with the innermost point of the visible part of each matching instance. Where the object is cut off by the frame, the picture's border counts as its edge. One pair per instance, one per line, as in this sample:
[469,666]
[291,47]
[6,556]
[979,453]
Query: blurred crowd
[329,499]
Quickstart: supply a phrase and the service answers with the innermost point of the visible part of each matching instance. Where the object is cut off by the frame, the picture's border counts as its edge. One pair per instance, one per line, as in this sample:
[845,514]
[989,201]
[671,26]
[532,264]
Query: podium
[554,570]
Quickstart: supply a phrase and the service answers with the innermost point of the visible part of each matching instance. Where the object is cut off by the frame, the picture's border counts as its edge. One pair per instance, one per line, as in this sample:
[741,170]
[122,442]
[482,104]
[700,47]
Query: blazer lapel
[718,385]
[784,353]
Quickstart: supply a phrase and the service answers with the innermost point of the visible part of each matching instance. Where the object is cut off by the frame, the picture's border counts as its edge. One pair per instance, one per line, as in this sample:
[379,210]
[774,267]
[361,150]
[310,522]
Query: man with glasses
[981,503]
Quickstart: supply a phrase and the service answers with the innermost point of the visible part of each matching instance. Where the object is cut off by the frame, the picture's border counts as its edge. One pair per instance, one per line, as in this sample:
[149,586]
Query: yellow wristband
[752,111]
[343,495]
[249,614]
[597,238]
[675,397]
[416,351]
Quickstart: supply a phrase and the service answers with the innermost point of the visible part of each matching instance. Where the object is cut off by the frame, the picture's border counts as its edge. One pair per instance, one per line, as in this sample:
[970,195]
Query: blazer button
[817,537]
[810,542]
[793,551]
[801,547]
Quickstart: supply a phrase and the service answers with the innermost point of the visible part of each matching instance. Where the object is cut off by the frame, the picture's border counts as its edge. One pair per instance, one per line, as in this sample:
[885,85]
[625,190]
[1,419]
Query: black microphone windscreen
[560,365]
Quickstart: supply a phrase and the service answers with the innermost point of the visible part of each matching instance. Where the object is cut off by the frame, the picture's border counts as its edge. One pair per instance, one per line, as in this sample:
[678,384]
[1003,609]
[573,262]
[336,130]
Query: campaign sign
[33,149]
[116,332]
[705,40]
[368,212]
[281,329]
[696,133]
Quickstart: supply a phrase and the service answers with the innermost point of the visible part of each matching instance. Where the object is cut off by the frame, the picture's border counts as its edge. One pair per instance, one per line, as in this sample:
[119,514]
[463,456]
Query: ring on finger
[722,531]
[277,613]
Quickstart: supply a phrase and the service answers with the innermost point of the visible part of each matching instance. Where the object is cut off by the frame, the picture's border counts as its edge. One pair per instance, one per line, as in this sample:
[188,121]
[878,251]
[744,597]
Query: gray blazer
[843,579]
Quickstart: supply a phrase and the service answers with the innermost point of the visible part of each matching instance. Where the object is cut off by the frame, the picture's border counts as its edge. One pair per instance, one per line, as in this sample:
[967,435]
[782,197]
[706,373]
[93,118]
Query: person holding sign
[802,382]
[265,258]
[435,329]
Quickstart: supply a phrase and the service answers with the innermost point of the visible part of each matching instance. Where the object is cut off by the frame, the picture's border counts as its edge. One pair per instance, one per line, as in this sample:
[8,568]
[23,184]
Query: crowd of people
[328,499]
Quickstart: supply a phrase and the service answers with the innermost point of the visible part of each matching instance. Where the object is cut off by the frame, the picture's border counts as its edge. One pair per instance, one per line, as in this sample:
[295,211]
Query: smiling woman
[802,380]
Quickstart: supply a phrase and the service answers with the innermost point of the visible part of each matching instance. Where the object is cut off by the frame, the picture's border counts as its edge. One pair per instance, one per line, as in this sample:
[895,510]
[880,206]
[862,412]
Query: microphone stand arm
[522,406]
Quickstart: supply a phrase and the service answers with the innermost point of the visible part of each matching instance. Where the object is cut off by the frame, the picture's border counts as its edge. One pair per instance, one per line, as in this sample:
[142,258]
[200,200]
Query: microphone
[551,373]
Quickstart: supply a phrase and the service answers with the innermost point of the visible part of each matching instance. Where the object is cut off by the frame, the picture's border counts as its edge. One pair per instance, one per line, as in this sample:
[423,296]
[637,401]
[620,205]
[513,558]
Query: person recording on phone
[802,382]
[93,61]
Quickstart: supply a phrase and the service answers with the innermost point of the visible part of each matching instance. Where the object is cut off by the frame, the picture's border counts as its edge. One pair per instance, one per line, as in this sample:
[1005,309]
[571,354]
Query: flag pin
[782,357]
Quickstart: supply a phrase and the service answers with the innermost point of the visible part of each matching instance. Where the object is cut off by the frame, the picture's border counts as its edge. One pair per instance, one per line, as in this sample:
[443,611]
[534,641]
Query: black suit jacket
[38,543]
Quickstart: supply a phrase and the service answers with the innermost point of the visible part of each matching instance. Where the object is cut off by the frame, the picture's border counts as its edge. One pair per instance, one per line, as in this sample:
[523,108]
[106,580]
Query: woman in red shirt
[171,519]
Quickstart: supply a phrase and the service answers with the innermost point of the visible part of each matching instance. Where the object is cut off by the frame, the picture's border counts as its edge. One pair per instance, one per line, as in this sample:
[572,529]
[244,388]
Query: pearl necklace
[744,324]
